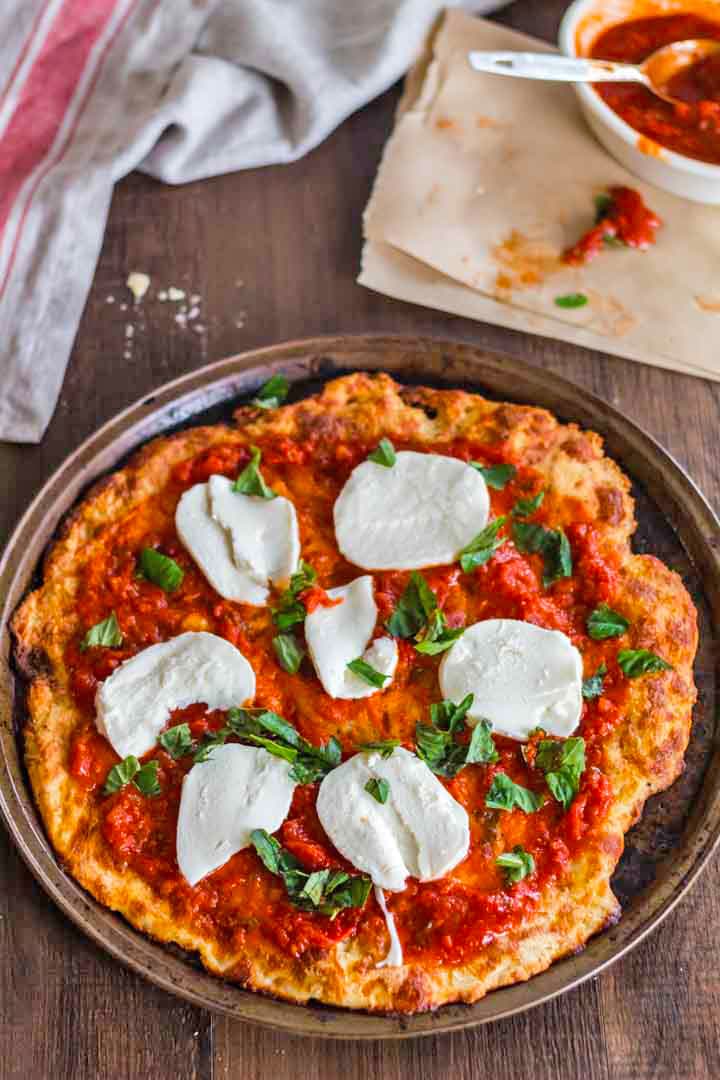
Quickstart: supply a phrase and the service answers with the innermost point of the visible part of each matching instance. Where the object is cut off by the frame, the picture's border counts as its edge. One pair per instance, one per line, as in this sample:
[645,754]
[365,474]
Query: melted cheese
[264,532]
[394,957]
[211,548]
[420,512]
[522,677]
[238,789]
[134,704]
[421,831]
[336,635]
[240,542]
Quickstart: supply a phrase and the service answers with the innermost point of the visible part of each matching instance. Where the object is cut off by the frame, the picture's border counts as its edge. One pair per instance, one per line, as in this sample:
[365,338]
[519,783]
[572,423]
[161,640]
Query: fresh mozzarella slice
[422,511]
[134,704]
[521,677]
[264,532]
[211,548]
[238,789]
[394,956]
[420,831]
[336,635]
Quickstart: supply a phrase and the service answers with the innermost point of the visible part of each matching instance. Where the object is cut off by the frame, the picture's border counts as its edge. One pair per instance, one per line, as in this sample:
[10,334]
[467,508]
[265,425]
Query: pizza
[356,697]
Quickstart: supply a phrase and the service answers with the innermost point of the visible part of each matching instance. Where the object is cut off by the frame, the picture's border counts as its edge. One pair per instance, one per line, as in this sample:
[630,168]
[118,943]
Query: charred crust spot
[34,663]
[419,397]
[580,448]
[610,505]
[413,995]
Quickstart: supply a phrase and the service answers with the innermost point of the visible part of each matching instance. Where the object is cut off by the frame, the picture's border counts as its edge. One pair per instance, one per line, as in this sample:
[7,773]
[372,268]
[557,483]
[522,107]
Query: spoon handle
[558,68]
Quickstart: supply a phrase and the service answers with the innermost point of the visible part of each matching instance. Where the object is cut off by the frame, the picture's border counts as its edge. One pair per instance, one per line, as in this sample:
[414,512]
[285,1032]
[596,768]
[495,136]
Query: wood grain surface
[272,254]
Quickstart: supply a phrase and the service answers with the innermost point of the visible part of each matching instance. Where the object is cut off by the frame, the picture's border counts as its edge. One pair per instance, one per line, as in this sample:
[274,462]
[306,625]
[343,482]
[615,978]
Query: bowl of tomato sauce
[675,146]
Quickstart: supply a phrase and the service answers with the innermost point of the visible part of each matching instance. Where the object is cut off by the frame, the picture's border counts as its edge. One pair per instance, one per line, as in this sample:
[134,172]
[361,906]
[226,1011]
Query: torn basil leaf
[437,636]
[289,652]
[603,623]
[505,794]
[379,788]
[177,741]
[592,687]
[516,864]
[495,476]
[413,609]
[262,727]
[383,454]
[634,662]
[129,771]
[160,570]
[437,743]
[384,747]
[552,544]
[563,762]
[325,891]
[106,633]
[291,611]
[367,673]
[524,508]
[483,547]
[272,393]
[250,481]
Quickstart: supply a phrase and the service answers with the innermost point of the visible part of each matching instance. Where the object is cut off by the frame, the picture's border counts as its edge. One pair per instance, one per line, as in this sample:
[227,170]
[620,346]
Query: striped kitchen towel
[91,89]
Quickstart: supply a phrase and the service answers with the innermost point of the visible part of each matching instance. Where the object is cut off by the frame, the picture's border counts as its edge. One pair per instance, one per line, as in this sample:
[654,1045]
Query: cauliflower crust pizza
[357,697]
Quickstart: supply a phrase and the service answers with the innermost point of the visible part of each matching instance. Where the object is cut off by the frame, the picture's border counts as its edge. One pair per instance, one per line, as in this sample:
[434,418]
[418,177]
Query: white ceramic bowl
[583,22]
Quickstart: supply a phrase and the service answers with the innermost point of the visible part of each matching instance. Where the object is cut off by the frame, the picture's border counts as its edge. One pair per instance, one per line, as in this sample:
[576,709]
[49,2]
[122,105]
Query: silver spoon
[655,72]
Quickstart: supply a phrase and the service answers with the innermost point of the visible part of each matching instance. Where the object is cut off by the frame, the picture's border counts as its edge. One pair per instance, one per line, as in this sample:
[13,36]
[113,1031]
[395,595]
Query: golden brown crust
[643,754]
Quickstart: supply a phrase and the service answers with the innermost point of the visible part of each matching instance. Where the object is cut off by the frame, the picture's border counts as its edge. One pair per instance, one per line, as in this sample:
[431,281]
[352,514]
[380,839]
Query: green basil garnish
[378,788]
[517,864]
[384,747]
[324,891]
[552,544]
[495,476]
[367,673]
[290,610]
[437,636]
[106,633]
[505,794]
[603,623]
[210,741]
[160,570]
[250,481]
[177,741]
[636,662]
[571,300]
[523,508]
[272,393]
[592,687]
[383,454]
[438,745]
[413,609]
[262,727]
[563,762]
[483,547]
[289,653]
[129,771]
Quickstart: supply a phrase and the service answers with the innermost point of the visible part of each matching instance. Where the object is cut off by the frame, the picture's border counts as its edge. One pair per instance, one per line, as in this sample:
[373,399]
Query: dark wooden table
[273,254]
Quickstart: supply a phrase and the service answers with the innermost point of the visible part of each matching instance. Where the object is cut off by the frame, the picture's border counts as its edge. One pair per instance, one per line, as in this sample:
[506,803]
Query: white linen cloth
[183,89]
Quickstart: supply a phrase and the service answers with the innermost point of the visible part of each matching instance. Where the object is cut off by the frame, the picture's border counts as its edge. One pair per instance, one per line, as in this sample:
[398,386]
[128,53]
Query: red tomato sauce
[626,220]
[444,921]
[691,126]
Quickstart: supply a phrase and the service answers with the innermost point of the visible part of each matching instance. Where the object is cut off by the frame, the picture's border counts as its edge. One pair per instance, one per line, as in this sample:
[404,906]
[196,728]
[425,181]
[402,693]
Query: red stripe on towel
[79,25]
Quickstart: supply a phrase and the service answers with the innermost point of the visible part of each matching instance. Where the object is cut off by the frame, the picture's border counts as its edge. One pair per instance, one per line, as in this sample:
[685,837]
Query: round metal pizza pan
[664,853]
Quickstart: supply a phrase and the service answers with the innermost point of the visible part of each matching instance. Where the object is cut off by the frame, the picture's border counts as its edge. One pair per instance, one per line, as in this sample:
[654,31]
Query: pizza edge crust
[643,756]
